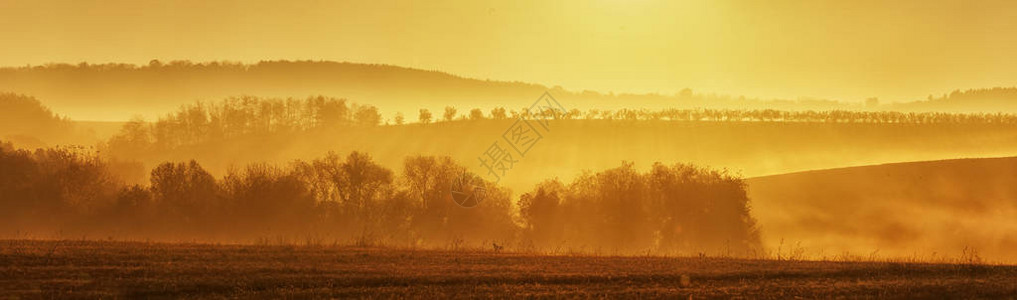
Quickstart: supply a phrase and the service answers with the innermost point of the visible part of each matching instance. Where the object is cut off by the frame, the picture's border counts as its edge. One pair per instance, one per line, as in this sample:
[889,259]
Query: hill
[116,92]
[27,122]
[998,99]
[930,208]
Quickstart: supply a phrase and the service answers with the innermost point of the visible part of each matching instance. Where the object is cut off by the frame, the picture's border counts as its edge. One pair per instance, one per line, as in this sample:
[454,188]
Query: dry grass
[91,269]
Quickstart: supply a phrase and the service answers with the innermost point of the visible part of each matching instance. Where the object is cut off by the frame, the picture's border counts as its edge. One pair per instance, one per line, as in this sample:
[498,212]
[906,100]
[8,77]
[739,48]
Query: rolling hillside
[930,209]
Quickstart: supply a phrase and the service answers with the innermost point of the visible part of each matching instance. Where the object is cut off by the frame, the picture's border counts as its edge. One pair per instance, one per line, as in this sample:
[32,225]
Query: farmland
[894,210]
[90,269]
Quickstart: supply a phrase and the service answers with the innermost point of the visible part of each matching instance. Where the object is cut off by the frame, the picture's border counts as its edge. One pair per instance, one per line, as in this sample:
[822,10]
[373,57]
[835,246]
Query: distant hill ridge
[127,89]
[124,90]
[1002,99]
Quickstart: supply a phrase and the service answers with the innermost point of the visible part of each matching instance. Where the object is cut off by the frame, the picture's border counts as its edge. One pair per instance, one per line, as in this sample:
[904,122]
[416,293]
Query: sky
[846,50]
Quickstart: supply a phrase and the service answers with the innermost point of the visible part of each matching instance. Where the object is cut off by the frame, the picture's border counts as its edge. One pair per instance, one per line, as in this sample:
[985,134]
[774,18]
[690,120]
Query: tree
[429,183]
[476,114]
[364,181]
[428,180]
[55,184]
[541,212]
[134,209]
[329,112]
[268,198]
[498,113]
[133,140]
[186,193]
[399,119]
[671,208]
[366,115]
[425,116]
[573,114]
[450,113]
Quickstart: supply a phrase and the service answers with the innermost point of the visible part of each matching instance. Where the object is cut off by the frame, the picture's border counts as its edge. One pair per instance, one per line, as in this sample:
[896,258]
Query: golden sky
[849,50]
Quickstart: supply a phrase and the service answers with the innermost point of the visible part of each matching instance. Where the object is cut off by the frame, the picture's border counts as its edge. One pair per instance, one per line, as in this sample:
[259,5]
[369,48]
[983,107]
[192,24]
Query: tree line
[244,116]
[198,127]
[72,191]
[248,115]
[353,200]
[735,115]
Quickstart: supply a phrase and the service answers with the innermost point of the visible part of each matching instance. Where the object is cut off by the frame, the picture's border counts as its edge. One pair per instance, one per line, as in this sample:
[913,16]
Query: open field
[926,209]
[89,269]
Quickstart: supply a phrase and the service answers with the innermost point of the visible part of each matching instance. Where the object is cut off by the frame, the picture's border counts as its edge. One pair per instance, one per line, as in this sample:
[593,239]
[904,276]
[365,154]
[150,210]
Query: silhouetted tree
[542,214]
[52,188]
[476,114]
[678,208]
[367,115]
[187,195]
[450,113]
[399,119]
[498,113]
[269,200]
[364,181]
[425,116]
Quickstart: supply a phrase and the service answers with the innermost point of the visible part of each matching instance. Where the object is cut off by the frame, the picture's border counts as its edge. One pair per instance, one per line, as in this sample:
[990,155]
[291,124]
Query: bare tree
[450,113]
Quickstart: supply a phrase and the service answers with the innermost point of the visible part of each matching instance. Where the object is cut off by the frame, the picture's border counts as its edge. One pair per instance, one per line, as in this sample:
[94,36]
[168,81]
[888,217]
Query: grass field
[925,208]
[109,269]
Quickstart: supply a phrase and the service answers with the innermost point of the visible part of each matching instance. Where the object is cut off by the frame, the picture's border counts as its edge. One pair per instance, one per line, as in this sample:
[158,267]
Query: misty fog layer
[241,175]
[243,130]
[924,210]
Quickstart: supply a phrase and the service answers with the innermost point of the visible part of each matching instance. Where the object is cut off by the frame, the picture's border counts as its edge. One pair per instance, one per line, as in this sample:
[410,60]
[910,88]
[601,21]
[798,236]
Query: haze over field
[220,137]
[832,148]
[916,210]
